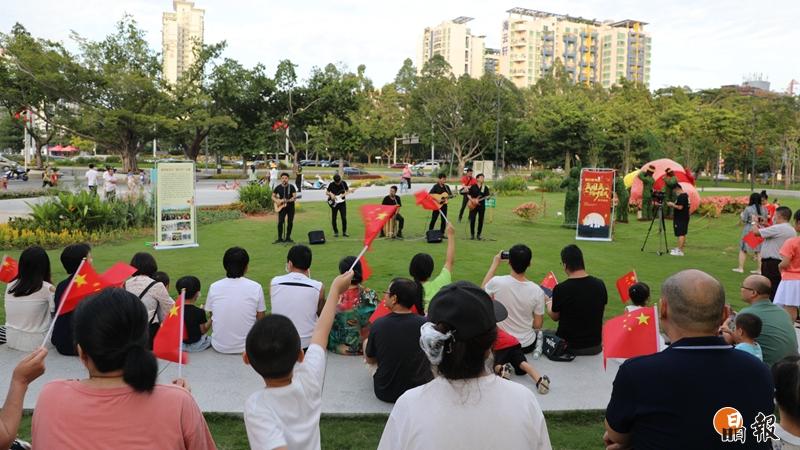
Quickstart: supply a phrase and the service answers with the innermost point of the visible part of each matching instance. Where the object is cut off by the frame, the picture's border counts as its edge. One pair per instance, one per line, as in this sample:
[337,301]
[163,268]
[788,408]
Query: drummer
[394,200]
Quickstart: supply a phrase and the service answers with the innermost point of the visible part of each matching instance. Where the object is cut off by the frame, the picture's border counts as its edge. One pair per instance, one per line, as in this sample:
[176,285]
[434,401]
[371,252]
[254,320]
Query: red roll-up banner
[596,205]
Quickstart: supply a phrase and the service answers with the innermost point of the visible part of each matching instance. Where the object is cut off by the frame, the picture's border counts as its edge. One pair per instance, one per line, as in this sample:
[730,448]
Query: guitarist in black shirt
[283,197]
[336,200]
[477,205]
[391,200]
[441,192]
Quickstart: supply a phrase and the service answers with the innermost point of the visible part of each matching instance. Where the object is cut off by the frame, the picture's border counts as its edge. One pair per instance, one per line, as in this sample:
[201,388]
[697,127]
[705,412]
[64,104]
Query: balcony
[547,37]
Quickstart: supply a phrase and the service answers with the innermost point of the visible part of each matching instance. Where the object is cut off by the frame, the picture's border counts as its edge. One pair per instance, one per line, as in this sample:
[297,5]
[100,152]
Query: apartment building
[589,50]
[182,29]
[491,60]
[454,41]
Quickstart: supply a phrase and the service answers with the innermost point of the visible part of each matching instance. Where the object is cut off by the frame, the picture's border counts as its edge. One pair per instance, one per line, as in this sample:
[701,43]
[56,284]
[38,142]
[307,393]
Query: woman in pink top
[788,294]
[407,176]
[119,405]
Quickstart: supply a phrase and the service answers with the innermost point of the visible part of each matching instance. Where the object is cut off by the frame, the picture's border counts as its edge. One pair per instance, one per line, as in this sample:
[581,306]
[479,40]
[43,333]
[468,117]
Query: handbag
[555,348]
[152,325]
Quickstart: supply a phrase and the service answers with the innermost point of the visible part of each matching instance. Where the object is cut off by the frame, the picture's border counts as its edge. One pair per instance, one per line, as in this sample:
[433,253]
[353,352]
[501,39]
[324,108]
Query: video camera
[658,197]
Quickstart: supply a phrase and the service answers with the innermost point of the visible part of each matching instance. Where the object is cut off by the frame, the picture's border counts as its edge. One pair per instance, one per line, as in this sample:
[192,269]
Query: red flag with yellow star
[425,200]
[168,342]
[87,281]
[634,333]
[624,283]
[375,217]
[8,269]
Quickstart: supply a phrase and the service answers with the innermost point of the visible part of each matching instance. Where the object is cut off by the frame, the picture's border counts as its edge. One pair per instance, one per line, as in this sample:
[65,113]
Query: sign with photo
[176,218]
[595,205]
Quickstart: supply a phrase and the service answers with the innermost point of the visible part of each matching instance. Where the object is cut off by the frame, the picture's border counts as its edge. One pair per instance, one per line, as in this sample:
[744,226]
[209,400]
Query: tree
[631,115]
[11,133]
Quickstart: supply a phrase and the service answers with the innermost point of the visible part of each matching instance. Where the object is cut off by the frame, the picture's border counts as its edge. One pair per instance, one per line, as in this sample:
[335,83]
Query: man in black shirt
[680,219]
[477,193]
[285,194]
[578,305]
[336,200]
[391,200]
[444,191]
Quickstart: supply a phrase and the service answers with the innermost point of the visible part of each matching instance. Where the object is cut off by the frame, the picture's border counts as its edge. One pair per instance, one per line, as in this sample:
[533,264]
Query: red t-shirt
[504,340]
[468,181]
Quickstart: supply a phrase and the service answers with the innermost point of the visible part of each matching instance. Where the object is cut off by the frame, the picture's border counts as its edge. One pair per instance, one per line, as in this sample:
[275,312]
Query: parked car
[399,165]
[308,163]
[7,164]
[335,163]
[426,166]
[355,171]
[324,163]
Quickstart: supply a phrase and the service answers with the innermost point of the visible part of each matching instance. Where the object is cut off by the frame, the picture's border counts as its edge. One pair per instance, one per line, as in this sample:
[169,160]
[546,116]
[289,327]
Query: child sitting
[748,329]
[639,294]
[194,318]
[162,278]
[508,356]
[286,413]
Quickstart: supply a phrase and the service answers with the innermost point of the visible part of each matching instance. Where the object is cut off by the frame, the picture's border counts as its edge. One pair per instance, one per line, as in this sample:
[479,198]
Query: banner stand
[176,215]
[595,205]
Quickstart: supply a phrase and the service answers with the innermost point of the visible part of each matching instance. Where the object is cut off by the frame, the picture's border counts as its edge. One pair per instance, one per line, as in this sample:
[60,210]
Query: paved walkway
[222,383]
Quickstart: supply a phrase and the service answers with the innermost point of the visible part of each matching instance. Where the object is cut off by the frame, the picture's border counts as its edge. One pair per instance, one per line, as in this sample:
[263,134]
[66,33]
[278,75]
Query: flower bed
[716,205]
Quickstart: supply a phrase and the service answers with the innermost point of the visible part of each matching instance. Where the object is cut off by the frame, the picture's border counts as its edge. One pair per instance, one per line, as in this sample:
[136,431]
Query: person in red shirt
[466,182]
[508,356]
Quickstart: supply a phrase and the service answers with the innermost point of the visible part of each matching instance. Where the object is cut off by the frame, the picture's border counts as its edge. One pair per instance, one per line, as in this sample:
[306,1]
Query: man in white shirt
[110,183]
[774,238]
[296,296]
[235,303]
[91,179]
[273,178]
[523,298]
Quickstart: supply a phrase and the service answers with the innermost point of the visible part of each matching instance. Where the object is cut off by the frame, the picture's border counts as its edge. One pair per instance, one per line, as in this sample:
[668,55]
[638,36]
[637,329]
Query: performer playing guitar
[477,196]
[441,192]
[466,182]
[337,190]
[284,197]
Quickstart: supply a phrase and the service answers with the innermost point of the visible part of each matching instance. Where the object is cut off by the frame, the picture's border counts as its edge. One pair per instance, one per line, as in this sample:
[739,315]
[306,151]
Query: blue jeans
[199,346]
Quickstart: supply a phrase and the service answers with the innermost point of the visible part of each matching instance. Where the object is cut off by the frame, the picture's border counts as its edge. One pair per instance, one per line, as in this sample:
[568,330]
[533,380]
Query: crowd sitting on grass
[445,347]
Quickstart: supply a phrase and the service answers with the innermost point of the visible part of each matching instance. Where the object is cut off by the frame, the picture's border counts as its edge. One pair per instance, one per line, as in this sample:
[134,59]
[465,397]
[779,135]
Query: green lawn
[712,246]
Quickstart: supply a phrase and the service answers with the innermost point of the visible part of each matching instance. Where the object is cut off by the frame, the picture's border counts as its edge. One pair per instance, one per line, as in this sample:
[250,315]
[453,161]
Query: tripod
[662,229]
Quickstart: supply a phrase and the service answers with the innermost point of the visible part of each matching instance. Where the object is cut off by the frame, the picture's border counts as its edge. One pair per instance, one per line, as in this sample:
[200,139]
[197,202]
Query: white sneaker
[737,270]
[678,252]
[673,251]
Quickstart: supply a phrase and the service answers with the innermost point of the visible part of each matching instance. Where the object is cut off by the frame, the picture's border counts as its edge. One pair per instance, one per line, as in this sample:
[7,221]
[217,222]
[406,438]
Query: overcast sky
[719,42]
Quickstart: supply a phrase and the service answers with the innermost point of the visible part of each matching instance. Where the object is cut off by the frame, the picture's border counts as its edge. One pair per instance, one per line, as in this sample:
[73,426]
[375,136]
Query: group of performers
[473,190]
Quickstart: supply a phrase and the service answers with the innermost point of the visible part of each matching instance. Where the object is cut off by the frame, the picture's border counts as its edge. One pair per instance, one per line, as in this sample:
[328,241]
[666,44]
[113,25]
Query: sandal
[543,385]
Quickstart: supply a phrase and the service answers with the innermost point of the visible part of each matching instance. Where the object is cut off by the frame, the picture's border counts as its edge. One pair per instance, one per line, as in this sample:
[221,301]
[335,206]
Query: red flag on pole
[624,283]
[8,269]
[87,281]
[752,240]
[548,283]
[117,274]
[168,343]
[375,217]
[634,333]
[366,270]
[425,200]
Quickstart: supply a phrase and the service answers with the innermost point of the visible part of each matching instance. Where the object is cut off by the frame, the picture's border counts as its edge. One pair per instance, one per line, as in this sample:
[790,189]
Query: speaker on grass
[316,237]
[433,236]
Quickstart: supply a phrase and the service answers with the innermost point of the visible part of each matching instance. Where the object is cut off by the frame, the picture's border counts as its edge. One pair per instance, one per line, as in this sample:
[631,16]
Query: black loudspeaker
[316,237]
[433,236]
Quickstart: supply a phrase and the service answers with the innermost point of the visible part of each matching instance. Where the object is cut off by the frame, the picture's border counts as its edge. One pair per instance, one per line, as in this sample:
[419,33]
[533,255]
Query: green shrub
[4,195]
[529,211]
[252,207]
[255,194]
[510,185]
[539,175]
[551,184]
[87,213]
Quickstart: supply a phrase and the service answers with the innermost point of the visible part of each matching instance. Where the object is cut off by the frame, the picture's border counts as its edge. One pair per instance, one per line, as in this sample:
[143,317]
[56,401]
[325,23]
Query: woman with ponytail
[119,405]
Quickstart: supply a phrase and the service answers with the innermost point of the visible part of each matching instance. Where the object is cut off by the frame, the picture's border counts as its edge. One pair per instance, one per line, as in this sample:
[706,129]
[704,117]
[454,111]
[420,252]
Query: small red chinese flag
[548,283]
[366,270]
[425,200]
[375,217]
[84,283]
[383,310]
[624,283]
[8,269]
[752,240]
[117,274]
[167,344]
[634,333]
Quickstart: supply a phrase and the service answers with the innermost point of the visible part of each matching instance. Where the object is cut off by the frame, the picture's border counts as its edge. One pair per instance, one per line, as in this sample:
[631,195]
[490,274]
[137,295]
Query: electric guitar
[337,199]
[473,203]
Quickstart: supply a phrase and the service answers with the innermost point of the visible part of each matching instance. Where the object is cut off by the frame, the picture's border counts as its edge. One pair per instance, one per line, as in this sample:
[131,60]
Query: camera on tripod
[658,197]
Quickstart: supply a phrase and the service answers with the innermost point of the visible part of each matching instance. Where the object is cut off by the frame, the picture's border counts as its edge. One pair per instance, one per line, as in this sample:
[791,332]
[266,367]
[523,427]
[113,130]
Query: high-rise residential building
[491,60]
[454,41]
[182,30]
[589,50]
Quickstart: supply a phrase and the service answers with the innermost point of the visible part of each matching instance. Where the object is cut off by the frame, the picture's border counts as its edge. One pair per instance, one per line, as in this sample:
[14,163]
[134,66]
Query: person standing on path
[91,179]
[110,183]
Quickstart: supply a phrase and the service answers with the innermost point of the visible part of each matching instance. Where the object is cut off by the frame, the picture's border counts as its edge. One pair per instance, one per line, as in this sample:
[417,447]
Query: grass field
[712,246]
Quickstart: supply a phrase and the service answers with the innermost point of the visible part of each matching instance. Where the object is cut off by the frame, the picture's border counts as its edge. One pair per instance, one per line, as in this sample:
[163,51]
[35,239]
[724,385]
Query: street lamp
[306,133]
[497,81]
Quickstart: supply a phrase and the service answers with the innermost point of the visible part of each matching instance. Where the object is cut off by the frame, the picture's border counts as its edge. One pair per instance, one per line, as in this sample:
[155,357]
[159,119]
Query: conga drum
[390,229]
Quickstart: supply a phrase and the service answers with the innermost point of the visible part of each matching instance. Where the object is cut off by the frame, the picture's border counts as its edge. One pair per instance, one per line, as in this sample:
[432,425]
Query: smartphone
[504,255]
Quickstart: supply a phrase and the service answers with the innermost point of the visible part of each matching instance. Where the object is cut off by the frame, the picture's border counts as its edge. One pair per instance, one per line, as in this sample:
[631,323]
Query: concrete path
[222,383]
